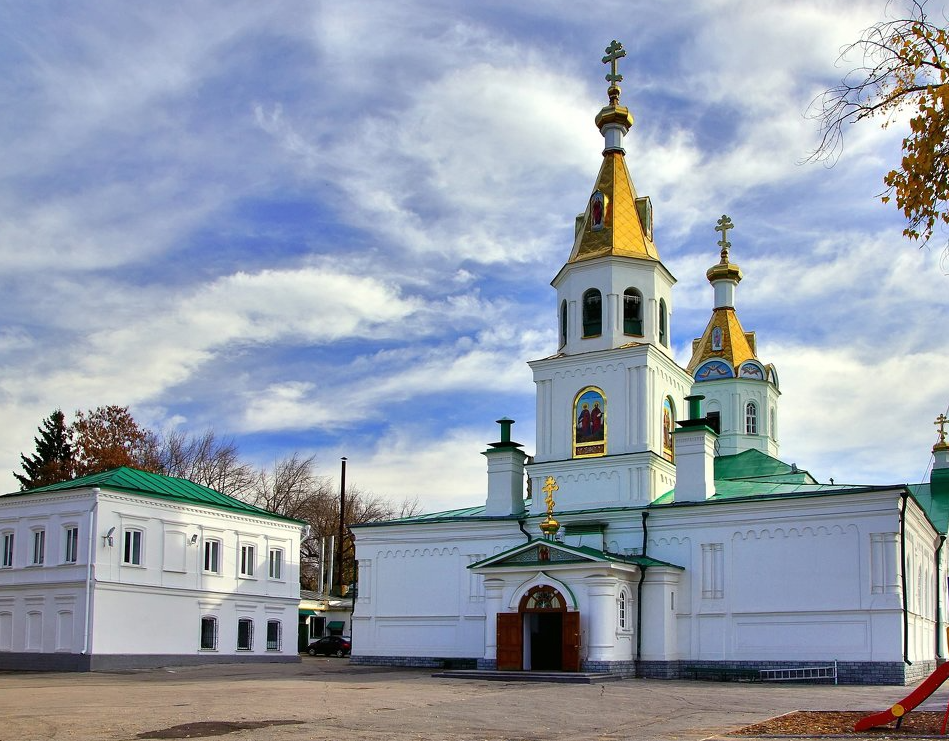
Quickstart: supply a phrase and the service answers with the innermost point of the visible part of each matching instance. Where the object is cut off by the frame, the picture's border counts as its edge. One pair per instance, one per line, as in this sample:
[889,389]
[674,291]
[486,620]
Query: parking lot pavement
[329,699]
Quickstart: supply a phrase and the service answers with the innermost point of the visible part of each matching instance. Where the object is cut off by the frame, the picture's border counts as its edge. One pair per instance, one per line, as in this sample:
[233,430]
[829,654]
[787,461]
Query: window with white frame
[248,554]
[7,561]
[71,544]
[245,634]
[751,418]
[622,609]
[209,633]
[132,547]
[39,548]
[212,556]
[275,570]
[274,635]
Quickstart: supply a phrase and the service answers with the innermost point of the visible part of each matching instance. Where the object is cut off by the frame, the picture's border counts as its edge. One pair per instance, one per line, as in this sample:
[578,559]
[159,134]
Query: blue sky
[330,227]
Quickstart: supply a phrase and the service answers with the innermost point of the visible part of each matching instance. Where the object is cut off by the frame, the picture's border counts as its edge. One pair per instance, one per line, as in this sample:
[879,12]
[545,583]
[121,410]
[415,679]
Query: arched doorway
[542,635]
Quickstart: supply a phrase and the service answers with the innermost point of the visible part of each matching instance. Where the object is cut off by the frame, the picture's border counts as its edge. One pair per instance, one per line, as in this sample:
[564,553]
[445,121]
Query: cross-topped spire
[614,52]
[941,424]
[549,526]
[723,225]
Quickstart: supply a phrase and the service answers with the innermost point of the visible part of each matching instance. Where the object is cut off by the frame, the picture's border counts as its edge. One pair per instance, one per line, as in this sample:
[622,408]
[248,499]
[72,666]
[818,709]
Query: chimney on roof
[505,474]
[694,443]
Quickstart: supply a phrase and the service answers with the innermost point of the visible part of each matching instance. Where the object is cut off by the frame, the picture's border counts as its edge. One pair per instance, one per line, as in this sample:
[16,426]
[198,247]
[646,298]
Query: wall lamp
[107,538]
[194,539]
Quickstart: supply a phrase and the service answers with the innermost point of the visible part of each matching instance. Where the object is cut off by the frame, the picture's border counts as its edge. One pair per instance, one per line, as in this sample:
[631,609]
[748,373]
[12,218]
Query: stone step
[491,675]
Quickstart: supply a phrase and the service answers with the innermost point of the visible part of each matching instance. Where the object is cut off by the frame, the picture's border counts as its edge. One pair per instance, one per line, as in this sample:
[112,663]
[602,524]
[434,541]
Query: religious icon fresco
[713,370]
[668,422]
[598,203]
[589,436]
[717,339]
[751,370]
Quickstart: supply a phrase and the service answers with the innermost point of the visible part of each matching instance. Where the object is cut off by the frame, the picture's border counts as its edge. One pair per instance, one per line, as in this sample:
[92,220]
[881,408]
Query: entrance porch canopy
[550,554]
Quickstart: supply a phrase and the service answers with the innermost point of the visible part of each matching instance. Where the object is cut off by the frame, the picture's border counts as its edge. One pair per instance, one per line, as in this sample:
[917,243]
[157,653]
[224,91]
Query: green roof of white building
[156,486]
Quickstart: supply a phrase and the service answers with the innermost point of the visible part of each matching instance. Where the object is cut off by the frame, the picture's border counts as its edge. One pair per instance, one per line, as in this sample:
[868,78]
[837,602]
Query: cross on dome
[941,424]
[723,225]
[614,52]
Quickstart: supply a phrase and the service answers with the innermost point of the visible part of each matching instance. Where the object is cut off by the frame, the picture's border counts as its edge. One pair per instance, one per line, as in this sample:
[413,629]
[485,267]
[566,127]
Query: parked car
[330,646]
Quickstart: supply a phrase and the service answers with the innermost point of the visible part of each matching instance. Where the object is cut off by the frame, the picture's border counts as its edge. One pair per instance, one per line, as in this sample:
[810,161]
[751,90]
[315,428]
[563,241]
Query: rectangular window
[273,635]
[212,556]
[245,634]
[39,547]
[7,551]
[247,560]
[71,535]
[276,563]
[208,634]
[132,550]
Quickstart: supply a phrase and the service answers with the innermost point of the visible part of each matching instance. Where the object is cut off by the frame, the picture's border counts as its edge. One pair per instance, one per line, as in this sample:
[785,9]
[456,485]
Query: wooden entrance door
[570,653]
[510,641]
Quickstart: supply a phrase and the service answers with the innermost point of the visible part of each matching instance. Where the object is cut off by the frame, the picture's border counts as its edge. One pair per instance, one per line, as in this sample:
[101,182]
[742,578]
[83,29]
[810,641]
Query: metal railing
[799,674]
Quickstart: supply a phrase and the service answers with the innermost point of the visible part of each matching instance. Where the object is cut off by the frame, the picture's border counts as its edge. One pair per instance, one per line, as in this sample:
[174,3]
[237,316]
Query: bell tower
[741,393]
[607,400]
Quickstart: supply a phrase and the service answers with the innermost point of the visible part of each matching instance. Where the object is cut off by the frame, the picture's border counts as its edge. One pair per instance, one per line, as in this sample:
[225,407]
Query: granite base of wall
[623,668]
[488,665]
[40,662]
[848,672]
[416,662]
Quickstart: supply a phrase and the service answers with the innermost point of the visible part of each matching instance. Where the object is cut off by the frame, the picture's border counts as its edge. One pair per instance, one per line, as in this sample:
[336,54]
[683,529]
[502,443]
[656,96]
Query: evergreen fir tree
[53,460]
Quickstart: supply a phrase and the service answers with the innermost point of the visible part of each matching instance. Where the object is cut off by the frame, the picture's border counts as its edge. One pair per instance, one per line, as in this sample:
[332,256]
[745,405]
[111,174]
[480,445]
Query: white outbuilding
[128,569]
[659,534]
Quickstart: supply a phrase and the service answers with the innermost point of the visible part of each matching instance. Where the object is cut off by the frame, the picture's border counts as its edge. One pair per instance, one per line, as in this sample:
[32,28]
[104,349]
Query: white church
[659,535]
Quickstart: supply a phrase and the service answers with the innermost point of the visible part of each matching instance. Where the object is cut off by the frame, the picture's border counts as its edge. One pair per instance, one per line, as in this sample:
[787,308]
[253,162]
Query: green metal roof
[133,481]
[755,464]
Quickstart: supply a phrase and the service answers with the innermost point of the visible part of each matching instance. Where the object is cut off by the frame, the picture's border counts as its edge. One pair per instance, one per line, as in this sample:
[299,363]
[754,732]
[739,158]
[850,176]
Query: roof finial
[614,52]
[549,526]
[723,225]
[941,424]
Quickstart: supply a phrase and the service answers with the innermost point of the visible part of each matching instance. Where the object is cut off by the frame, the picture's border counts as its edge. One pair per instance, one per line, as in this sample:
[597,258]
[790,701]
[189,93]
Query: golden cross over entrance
[723,225]
[941,424]
[549,487]
[613,52]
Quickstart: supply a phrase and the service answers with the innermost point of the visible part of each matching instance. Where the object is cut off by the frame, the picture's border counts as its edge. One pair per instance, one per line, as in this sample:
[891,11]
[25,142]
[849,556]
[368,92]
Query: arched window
[622,609]
[751,418]
[774,424]
[592,313]
[663,321]
[563,323]
[632,312]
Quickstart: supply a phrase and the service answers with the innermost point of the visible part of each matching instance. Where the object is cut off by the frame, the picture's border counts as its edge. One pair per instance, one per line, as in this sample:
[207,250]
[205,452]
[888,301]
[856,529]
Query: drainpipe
[639,599]
[903,497]
[942,542]
[89,552]
[520,524]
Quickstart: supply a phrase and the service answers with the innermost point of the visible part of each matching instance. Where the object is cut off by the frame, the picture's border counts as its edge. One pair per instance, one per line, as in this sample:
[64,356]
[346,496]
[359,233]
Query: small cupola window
[663,323]
[563,323]
[633,312]
[592,313]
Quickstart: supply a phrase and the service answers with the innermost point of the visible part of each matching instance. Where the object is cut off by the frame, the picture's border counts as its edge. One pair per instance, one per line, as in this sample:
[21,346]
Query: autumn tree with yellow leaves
[905,67]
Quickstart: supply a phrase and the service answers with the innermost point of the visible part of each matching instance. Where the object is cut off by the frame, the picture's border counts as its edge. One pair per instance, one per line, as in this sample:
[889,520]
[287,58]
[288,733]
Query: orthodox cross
[941,424]
[613,52]
[549,487]
[723,225]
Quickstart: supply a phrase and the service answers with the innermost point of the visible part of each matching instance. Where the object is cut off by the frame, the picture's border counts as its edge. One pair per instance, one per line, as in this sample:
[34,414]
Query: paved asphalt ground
[329,699]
